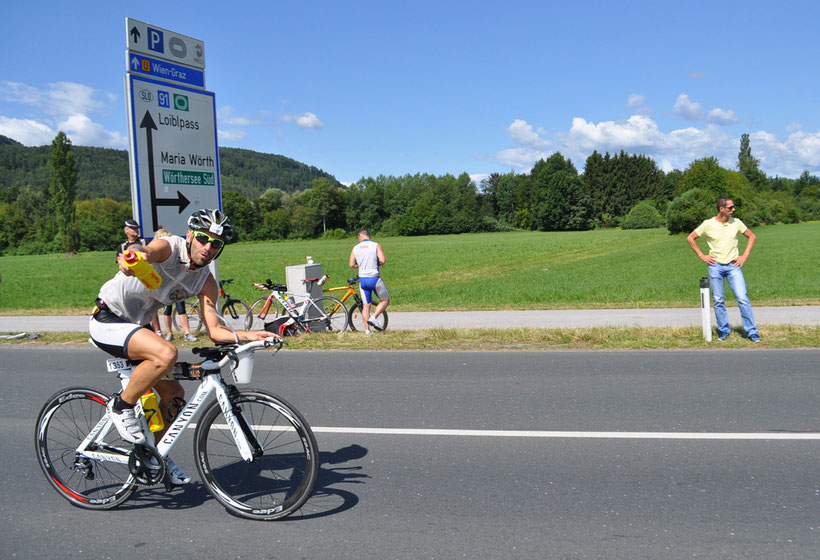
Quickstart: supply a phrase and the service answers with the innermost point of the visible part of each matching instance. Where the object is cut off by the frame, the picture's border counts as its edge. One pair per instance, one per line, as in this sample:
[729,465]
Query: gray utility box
[294,276]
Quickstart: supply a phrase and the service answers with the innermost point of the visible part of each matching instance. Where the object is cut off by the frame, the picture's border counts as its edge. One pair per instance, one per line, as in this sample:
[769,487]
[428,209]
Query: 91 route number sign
[175,160]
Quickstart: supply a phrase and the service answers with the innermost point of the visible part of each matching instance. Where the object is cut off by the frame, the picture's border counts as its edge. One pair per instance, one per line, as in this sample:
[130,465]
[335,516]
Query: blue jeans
[734,274]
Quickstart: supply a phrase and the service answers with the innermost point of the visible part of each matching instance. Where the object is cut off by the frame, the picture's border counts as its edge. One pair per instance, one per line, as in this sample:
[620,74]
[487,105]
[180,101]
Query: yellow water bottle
[142,269]
[150,405]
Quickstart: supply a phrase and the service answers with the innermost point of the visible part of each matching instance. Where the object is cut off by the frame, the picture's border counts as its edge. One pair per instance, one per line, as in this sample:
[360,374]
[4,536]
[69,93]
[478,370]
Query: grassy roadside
[594,338]
[483,271]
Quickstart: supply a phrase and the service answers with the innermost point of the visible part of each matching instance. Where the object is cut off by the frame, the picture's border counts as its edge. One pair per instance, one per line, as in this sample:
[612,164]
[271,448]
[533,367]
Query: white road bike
[254,452]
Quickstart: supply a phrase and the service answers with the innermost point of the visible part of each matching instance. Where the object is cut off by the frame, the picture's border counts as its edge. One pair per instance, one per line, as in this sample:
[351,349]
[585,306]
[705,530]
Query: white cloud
[521,158]
[674,149]
[225,115]
[84,132]
[697,75]
[637,103]
[67,98]
[478,177]
[26,131]
[60,98]
[63,106]
[523,133]
[636,132]
[722,117]
[16,92]
[688,109]
[305,120]
[794,127]
[693,111]
[232,135]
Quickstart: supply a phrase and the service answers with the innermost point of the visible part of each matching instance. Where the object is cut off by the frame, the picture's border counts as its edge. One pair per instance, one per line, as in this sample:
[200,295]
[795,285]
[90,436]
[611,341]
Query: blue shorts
[369,285]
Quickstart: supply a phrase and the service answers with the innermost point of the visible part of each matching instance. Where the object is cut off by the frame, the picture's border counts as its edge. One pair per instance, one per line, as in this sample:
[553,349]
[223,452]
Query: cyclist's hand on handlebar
[248,336]
[275,340]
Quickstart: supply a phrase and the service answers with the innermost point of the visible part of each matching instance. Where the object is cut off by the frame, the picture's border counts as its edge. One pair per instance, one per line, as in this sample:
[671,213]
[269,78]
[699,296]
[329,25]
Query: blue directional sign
[165,70]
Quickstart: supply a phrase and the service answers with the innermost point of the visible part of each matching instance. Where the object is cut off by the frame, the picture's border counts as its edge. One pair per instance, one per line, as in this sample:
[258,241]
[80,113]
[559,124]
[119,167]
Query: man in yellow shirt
[725,264]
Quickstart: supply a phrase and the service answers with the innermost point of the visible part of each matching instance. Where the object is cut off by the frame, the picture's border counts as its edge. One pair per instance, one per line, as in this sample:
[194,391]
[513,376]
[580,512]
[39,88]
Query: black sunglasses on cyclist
[203,238]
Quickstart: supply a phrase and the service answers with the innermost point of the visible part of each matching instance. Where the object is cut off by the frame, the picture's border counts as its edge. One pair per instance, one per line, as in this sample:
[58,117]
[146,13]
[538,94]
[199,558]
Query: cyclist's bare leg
[166,320]
[366,315]
[183,320]
[380,307]
[159,357]
[168,390]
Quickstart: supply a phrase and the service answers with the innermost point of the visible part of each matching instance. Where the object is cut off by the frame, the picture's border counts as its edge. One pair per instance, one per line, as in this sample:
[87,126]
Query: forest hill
[193,159]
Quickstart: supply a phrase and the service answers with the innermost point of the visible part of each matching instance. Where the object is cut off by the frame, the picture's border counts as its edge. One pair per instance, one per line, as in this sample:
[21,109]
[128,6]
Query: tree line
[103,172]
[614,190]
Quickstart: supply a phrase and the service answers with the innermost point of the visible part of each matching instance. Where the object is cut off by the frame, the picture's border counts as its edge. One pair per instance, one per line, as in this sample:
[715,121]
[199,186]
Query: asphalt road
[473,455]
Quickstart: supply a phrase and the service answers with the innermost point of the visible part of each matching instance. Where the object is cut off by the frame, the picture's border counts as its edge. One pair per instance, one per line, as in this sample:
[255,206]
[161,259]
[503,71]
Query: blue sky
[366,88]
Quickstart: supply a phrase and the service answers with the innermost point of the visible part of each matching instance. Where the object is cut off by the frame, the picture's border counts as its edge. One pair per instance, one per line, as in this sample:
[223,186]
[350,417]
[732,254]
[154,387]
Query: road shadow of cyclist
[326,498]
[191,495]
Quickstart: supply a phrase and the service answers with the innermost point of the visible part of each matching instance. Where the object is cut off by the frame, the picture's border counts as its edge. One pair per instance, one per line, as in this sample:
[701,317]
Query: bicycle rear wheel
[327,314]
[357,319]
[256,318]
[277,482]
[64,422]
[235,312]
[194,318]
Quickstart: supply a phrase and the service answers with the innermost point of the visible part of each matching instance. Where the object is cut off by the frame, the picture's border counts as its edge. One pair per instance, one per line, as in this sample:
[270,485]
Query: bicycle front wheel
[194,318]
[64,422]
[235,312]
[327,314]
[257,315]
[357,319]
[275,483]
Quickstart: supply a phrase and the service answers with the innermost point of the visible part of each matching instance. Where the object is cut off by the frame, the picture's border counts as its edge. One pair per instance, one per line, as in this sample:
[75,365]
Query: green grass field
[516,270]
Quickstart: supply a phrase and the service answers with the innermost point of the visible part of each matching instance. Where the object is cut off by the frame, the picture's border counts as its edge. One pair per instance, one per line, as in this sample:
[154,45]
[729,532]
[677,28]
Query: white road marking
[572,434]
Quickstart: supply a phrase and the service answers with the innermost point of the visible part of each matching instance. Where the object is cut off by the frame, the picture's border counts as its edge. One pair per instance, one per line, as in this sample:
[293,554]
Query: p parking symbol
[155,40]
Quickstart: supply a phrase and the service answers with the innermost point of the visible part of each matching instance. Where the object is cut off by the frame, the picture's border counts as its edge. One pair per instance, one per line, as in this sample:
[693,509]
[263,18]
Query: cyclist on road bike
[367,256]
[120,324]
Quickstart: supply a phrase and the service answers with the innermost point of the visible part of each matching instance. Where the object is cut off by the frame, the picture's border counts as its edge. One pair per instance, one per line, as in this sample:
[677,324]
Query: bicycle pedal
[170,486]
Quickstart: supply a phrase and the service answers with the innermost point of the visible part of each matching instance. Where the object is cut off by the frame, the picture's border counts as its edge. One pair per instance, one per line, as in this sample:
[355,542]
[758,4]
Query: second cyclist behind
[368,256]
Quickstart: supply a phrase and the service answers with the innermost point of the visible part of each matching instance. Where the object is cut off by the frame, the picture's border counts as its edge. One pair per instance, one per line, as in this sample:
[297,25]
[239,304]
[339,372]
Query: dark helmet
[213,221]
[132,224]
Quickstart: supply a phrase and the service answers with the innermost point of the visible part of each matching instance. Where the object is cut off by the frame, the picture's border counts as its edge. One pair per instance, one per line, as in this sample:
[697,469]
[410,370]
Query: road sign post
[705,310]
[174,157]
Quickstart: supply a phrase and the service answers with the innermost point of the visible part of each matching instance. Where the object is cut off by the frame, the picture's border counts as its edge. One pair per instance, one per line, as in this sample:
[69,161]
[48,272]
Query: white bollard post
[705,310]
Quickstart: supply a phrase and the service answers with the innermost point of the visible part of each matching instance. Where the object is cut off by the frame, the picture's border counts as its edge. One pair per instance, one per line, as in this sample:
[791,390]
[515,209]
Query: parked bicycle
[355,309]
[233,311]
[254,452]
[312,315]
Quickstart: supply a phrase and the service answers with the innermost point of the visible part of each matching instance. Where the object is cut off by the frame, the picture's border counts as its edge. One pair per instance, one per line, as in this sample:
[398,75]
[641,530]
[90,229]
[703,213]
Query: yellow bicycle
[355,310]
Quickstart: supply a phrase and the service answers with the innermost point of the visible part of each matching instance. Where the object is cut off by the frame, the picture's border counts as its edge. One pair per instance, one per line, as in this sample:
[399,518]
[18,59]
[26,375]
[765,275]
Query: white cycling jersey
[128,298]
[367,258]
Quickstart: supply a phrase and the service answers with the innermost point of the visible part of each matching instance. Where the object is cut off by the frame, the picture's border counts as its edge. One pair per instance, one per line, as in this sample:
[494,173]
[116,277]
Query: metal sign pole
[705,311]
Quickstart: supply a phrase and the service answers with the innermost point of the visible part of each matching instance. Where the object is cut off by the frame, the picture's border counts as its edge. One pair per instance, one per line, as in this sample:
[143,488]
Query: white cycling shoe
[375,322]
[175,475]
[126,423]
